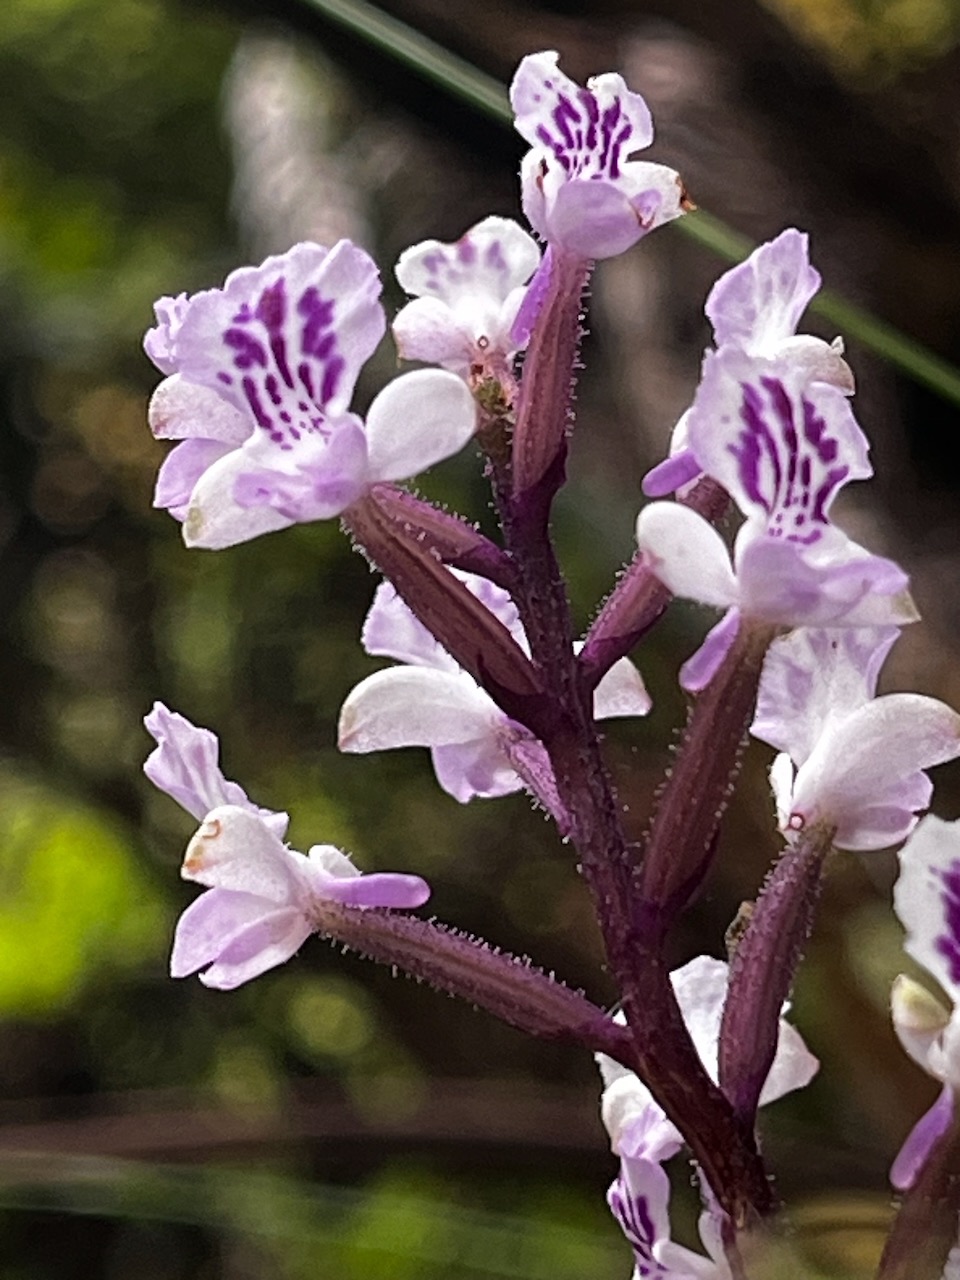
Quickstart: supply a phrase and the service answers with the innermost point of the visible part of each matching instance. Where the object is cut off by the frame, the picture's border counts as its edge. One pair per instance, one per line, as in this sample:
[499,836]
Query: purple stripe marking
[948,945]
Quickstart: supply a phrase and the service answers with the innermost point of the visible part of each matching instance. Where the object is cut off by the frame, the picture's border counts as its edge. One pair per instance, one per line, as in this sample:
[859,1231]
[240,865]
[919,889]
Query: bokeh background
[331,1120]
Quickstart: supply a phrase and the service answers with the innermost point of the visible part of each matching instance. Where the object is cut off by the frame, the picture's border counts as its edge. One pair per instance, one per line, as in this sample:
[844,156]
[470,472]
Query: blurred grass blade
[459,78]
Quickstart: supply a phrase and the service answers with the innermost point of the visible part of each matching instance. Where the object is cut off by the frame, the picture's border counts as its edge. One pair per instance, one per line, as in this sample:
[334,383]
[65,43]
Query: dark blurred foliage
[331,1120]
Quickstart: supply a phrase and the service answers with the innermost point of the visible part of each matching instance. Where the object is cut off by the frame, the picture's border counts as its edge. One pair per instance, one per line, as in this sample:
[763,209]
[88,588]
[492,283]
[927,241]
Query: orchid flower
[927,900]
[263,899]
[466,299]
[637,1125]
[643,1137]
[639,1199]
[756,307]
[782,448]
[430,701]
[581,191]
[259,379]
[849,759]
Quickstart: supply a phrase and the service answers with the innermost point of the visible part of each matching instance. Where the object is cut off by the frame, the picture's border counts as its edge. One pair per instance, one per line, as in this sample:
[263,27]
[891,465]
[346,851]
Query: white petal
[181,410]
[686,554]
[417,420]
[919,1019]
[621,692]
[215,519]
[426,329]
[415,707]
[856,762]
[236,849]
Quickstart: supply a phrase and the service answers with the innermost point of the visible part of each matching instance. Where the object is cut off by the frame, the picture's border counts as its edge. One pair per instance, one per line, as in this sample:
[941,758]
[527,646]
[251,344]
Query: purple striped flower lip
[581,190]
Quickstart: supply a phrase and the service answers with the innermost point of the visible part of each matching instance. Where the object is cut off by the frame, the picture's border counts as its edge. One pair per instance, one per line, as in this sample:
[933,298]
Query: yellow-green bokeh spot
[73,900]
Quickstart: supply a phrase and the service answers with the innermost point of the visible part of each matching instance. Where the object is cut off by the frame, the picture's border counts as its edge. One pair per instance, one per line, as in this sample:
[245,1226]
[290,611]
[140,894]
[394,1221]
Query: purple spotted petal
[185,764]
[285,341]
[781,447]
[759,302]
[638,1199]
[812,678]
[912,1156]
[927,900]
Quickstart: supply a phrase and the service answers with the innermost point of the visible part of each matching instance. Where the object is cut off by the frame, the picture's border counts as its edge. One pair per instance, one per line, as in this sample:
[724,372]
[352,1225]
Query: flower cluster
[259,379]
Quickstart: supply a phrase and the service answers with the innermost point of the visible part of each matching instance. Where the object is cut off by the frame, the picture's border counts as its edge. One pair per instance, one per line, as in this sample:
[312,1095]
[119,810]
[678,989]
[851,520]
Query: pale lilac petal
[334,876]
[596,219]
[380,889]
[425,329]
[478,769]
[235,849]
[927,900]
[671,474]
[158,342]
[866,755]
[812,678]
[920,1021]
[215,519]
[323,480]
[686,554]
[415,707]
[621,692]
[181,410]
[180,473]
[912,1156]
[285,341]
[698,670]
[262,946]
[793,1067]
[780,446]
[222,921]
[418,419]
[391,630]
[759,302]
[185,765]
[533,299]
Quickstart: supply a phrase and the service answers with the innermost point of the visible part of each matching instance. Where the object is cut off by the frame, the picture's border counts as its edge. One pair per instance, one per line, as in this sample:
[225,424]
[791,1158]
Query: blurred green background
[332,1121]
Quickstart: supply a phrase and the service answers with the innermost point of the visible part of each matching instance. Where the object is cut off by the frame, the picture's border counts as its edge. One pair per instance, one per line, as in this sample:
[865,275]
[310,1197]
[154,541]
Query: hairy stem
[508,986]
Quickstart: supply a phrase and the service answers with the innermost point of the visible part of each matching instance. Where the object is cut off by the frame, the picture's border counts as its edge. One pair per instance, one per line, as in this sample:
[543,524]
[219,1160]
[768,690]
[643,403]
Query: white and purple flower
[849,759]
[927,900]
[259,379]
[465,299]
[782,447]
[430,701]
[643,1137]
[581,191]
[263,899]
[756,307]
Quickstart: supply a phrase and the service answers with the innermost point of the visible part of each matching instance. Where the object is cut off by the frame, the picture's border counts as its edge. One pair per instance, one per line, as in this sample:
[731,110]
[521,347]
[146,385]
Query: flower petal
[417,420]
[285,341]
[621,692]
[686,554]
[181,410]
[480,769]
[415,707]
[759,302]
[220,919]
[927,900]
[263,945]
[912,1156]
[235,849]
[699,669]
